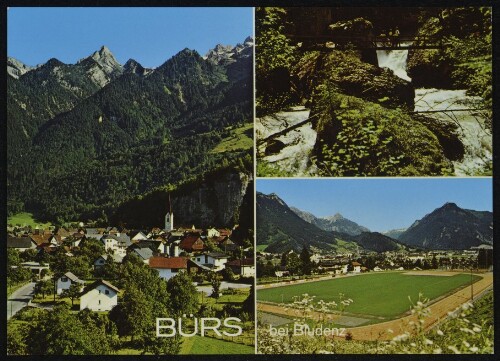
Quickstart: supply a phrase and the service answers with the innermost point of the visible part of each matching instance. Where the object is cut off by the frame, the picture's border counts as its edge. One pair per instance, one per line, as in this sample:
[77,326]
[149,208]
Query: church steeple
[169,217]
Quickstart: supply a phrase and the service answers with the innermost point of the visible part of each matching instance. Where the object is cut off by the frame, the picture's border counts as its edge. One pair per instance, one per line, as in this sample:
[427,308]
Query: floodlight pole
[471,286]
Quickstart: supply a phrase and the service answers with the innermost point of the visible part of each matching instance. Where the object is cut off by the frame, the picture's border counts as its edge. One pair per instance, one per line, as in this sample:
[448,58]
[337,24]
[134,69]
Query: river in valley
[293,158]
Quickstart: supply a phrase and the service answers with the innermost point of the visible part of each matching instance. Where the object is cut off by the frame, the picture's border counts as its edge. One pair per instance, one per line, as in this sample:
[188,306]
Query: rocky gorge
[415,112]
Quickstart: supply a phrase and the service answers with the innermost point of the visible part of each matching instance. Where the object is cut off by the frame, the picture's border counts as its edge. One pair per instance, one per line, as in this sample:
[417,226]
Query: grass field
[240,139]
[261,247]
[26,219]
[376,294]
[198,345]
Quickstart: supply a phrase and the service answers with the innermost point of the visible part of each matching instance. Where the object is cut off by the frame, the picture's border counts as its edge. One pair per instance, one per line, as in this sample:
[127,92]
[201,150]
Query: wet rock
[274,147]
[427,70]
[447,135]
[353,77]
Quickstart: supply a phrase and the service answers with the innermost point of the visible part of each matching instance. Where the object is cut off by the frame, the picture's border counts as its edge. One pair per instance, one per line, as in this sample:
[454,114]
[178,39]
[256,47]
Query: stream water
[294,157]
[476,138]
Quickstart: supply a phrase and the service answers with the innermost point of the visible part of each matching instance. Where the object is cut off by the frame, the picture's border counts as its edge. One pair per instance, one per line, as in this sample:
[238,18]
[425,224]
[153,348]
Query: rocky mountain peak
[248,41]
[134,67]
[450,206]
[102,66]
[450,227]
[106,58]
[335,217]
[276,198]
[227,54]
[16,68]
[53,62]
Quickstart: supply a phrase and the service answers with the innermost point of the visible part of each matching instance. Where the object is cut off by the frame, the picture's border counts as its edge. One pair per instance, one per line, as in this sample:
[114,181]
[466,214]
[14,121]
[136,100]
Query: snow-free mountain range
[85,138]
[282,228]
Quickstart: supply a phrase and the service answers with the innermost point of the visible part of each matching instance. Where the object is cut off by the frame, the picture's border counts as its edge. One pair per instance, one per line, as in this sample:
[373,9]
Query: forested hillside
[85,137]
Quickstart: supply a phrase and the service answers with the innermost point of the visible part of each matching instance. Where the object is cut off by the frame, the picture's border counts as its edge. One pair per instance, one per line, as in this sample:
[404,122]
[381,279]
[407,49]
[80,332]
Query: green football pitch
[376,294]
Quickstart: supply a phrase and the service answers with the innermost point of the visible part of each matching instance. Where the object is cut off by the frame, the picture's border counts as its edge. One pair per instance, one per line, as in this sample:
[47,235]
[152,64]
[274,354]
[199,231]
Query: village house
[62,233]
[356,266]
[214,261]
[173,250]
[156,246]
[65,281]
[40,239]
[46,248]
[112,230]
[243,267]
[117,243]
[99,296]
[227,245]
[168,267]
[192,243]
[55,240]
[95,233]
[104,258]
[144,253]
[156,231]
[136,236]
[21,243]
[212,233]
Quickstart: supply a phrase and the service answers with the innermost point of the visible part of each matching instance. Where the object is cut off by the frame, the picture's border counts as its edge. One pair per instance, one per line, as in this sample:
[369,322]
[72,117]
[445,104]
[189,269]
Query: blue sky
[149,35]
[380,204]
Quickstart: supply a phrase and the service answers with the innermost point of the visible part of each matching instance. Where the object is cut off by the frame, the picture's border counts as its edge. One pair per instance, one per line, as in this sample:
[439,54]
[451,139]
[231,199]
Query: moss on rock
[361,138]
[353,77]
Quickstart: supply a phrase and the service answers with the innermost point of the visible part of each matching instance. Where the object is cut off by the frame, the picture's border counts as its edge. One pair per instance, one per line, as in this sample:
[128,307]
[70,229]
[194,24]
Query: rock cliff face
[222,199]
[216,202]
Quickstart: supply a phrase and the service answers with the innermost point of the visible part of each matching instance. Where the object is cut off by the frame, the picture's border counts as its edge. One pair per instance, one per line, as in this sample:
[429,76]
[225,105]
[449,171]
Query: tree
[18,275]
[305,259]
[215,281]
[293,264]
[161,345]
[59,332]
[134,315]
[13,258]
[72,292]
[43,287]
[91,249]
[17,343]
[350,267]
[274,59]
[183,294]
[249,303]
[434,262]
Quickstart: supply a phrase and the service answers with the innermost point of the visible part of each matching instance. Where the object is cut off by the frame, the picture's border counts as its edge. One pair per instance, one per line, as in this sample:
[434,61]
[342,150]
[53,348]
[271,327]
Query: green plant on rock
[360,138]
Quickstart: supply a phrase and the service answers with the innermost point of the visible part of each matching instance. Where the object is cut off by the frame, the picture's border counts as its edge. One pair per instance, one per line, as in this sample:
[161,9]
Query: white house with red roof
[168,267]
